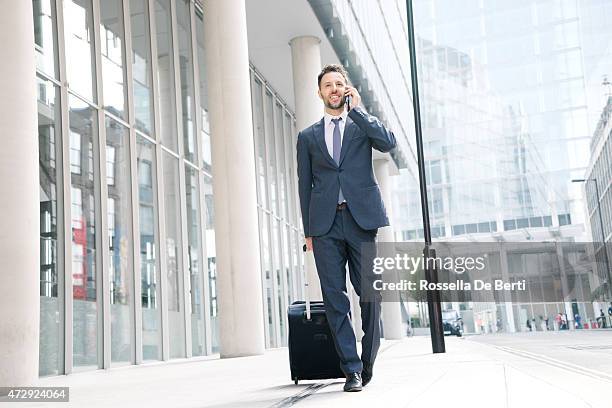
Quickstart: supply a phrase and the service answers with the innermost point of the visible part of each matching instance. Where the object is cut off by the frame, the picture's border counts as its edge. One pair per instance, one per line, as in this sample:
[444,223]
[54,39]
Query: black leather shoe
[353,382]
[367,373]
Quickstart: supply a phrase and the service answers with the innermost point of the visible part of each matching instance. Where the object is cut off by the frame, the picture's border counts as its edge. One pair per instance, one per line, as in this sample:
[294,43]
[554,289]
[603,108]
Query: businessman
[342,208]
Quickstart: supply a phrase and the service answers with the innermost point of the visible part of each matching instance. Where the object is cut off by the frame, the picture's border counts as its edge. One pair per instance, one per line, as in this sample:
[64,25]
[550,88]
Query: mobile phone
[347,102]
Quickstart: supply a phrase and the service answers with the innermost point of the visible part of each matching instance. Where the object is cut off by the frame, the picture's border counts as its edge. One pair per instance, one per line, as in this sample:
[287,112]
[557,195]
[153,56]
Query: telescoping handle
[304,248]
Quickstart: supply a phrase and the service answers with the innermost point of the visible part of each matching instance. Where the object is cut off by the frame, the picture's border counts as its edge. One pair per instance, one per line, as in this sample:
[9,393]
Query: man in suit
[342,208]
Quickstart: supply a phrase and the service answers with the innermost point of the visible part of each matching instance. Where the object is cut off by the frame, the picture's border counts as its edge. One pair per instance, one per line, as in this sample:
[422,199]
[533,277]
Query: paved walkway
[407,374]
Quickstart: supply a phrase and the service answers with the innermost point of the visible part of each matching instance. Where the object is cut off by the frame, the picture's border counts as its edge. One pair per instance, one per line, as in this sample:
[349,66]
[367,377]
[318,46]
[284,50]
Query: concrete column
[241,321]
[19,185]
[391,308]
[306,65]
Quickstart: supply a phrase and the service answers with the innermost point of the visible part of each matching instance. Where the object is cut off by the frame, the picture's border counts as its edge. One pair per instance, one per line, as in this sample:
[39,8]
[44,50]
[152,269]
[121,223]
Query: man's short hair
[332,68]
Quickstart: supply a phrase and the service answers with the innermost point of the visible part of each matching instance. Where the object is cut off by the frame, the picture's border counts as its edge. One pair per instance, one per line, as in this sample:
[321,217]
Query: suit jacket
[320,178]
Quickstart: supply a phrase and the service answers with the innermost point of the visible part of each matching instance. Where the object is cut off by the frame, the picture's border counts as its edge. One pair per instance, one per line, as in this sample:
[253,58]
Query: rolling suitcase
[312,353]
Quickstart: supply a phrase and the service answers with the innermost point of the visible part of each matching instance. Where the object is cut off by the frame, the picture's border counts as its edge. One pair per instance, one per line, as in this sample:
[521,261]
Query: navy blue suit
[338,234]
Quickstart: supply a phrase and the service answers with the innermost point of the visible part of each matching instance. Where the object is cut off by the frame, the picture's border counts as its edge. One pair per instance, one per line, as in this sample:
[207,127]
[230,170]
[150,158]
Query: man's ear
[319,93]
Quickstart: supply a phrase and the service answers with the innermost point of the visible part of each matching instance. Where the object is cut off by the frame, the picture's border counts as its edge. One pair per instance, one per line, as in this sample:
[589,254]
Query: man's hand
[355,97]
[308,243]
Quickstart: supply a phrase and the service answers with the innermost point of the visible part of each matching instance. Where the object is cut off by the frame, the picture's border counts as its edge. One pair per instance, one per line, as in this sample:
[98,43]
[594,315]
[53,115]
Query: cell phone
[347,102]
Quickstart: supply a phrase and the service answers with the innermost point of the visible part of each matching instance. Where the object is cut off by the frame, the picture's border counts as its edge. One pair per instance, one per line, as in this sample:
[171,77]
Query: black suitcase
[312,354]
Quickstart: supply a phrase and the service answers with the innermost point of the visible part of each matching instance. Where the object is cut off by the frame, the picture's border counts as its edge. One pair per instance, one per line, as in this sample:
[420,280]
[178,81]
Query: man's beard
[337,105]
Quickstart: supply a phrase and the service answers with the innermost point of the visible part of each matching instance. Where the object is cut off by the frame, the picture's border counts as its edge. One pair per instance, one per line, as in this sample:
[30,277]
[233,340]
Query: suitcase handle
[304,248]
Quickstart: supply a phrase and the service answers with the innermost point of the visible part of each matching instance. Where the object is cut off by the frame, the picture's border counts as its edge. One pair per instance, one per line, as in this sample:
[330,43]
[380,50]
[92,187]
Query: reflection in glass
[79,36]
[49,145]
[260,142]
[507,91]
[194,259]
[205,136]
[211,261]
[280,151]
[165,74]
[83,178]
[112,47]
[269,137]
[149,273]
[141,66]
[266,272]
[278,272]
[186,74]
[174,256]
[45,32]
[119,238]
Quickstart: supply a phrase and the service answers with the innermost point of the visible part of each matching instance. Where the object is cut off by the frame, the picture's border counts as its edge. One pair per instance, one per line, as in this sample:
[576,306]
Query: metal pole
[603,239]
[431,273]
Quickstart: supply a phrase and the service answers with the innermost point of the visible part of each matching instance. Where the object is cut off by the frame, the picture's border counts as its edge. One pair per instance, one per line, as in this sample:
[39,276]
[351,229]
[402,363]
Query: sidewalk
[407,374]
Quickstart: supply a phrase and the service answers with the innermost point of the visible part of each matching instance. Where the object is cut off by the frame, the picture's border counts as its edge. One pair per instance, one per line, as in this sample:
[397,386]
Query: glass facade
[120,257]
[281,261]
[128,261]
[85,230]
[51,279]
[122,210]
[510,95]
[148,225]
[598,188]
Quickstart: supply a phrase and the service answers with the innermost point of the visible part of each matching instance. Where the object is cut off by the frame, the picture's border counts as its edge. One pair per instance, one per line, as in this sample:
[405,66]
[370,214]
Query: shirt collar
[329,117]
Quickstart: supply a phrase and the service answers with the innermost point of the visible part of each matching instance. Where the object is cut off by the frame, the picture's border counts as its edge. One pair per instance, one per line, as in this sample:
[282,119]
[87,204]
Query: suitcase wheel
[295,380]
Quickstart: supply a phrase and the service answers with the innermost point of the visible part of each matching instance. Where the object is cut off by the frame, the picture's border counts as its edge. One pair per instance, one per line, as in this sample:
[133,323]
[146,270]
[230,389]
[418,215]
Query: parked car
[452,323]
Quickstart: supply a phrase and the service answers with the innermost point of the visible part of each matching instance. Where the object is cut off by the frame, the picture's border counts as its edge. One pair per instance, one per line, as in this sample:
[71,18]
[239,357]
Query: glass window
[141,66]
[83,125]
[209,242]
[522,223]
[79,37]
[119,239]
[174,255]
[149,273]
[458,229]
[45,36]
[269,142]
[112,48]
[266,272]
[49,148]
[535,221]
[205,136]
[280,151]
[484,227]
[183,17]
[165,74]
[564,219]
[260,142]
[194,259]
[291,172]
[278,272]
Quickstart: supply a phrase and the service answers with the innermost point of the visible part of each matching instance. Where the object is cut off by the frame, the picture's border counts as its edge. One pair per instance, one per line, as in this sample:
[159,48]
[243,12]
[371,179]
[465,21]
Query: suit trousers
[342,244]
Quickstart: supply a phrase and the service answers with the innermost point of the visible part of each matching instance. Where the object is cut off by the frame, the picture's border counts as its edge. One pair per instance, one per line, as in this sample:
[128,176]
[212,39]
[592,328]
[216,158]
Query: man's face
[331,90]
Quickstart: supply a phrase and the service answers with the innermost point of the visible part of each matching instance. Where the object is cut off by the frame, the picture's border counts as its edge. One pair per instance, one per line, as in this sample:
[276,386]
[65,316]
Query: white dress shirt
[329,130]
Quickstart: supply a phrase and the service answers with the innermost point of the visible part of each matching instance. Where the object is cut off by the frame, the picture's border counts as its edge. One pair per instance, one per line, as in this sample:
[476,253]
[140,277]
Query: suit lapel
[319,134]
[349,129]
